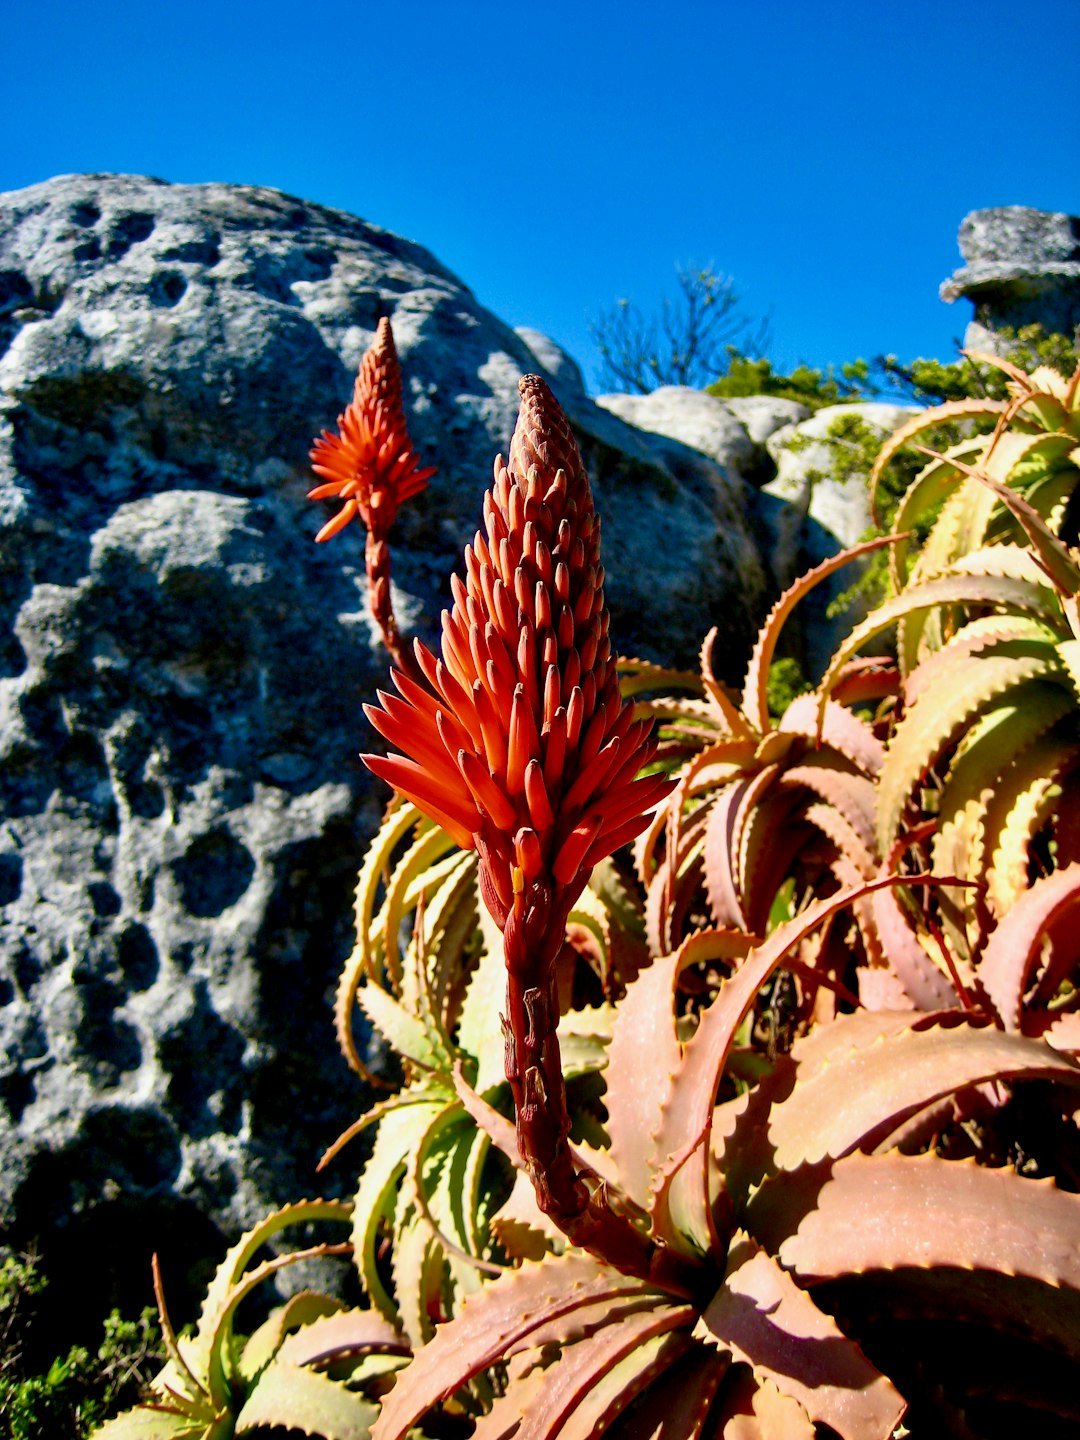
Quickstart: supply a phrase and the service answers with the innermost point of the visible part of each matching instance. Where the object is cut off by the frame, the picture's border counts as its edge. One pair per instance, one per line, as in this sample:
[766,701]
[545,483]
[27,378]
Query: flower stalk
[518,743]
[371,465]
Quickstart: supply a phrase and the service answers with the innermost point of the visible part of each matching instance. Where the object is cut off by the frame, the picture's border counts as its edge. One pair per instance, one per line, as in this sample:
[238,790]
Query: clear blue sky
[558,157]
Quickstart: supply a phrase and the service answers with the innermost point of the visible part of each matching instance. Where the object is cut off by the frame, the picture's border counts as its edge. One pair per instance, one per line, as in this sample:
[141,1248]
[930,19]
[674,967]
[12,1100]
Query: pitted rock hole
[138,957]
[88,249]
[85,214]
[110,1048]
[129,230]
[104,899]
[206,251]
[167,288]
[214,872]
[11,873]
[203,1056]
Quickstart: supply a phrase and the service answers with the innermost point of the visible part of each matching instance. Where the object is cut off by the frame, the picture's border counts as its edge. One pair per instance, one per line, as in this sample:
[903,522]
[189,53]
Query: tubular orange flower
[371,465]
[521,747]
[521,741]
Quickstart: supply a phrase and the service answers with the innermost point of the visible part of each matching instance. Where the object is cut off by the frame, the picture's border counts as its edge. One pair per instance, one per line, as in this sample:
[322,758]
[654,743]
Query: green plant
[749,375]
[752,1124]
[77,1390]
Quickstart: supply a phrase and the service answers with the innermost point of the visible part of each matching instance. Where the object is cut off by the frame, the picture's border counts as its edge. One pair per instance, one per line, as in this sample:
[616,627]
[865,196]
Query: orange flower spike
[371,465]
[550,772]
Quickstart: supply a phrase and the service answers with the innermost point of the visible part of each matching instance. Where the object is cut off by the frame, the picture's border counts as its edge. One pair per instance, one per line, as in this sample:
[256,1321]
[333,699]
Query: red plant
[372,466]
[521,747]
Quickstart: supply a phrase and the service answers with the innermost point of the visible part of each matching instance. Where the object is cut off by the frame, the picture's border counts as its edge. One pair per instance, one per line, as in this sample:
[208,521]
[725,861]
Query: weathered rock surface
[1023,268]
[181,671]
[806,466]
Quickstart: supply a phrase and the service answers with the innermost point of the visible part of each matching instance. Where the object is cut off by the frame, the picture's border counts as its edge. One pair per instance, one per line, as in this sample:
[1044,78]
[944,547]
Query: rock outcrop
[181,671]
[1023,268]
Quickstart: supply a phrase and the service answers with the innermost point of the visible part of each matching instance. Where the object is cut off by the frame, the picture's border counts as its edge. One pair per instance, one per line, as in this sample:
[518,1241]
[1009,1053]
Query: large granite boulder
[1022,268]
[181,671]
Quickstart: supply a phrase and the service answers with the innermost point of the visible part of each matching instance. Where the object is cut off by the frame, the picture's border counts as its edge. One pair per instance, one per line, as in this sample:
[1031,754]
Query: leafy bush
[771,1131]
[77,1390]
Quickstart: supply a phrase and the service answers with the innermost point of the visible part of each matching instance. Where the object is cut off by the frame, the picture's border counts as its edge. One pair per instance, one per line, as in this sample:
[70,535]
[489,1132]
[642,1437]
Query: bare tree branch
[689,343]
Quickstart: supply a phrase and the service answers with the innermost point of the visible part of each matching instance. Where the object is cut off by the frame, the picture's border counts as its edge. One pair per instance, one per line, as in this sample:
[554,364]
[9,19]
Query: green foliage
[934,382]
[77,1390]
[746,375]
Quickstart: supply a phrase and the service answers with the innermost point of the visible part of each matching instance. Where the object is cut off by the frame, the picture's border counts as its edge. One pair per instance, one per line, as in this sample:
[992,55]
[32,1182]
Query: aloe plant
[621,1209]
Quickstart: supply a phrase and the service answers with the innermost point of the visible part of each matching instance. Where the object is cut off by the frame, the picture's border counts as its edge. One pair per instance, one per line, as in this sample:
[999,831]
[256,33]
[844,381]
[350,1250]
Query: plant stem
[532,941]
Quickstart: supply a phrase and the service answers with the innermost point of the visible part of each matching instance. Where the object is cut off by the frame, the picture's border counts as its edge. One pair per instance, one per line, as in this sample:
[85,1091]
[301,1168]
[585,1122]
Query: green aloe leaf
[299,1399]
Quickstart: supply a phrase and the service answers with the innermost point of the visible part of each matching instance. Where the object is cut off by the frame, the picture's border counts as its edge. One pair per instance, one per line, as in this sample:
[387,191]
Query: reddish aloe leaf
[846,791]
[753,1409]
[678,1403]
[924,984]
[644,1055]
[889,1212]
[754,703]
[1016,945]
[861,1094]
[642,1059]
[762,1316]
[686,1117]
[349,1332]
[720,863]
[594,1380]
[840,729]
[498,1318]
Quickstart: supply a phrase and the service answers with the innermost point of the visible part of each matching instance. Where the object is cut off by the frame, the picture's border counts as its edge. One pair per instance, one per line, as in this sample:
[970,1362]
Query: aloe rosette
[799,1187]
[982,767]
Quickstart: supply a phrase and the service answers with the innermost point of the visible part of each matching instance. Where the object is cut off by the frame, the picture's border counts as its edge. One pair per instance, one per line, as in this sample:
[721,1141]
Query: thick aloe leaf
[839,729]
[1053,554]
[982,756]
[408,1035]
[984,591]
[493,1321]
[211,1350]
[918,425]
[888,1212]
[1016,945]
[400,1131]
[768,1323]
[644,1054]
[839,785]
[1025,798]
[416,869]
[417,1268]
[366,959]
[299,1399]
[681,1146]
[1014,671]
[596,1378]
[677,1404]
[143,1423]
[299,1310]
[343,1335]
[924,985]
[480,1030]
[522,1228]
[721,870]
[754,1409]
[754,703]
[867,1090]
